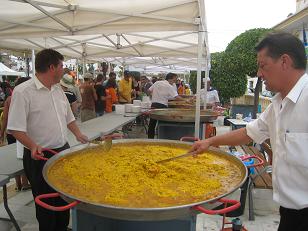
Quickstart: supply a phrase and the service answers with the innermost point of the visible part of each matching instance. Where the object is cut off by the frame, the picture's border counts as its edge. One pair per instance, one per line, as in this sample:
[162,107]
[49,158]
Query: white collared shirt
[285,122]
[162,91]
[212,96]
[42,113]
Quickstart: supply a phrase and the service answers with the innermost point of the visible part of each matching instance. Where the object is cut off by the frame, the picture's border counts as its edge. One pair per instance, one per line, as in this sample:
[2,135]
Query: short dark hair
[99,77]
[45,58]
[170,75]
[112,74]
[127,73]
[279,43]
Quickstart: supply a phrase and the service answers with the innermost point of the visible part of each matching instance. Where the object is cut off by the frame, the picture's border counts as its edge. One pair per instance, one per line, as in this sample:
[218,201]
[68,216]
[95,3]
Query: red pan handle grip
[53,208]
[260,161]
[45,149]
[189,138]
[146,113]
[235,205]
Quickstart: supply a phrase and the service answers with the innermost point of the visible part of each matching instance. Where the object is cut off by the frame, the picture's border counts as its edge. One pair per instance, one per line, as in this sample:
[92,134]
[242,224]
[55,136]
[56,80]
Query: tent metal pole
[77,71]
[28,65]
[83,59]
[33,63]
[83,66]
[200,49]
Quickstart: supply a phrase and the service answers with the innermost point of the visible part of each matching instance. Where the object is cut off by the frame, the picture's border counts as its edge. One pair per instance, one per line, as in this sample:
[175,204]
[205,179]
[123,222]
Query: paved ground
[266,211]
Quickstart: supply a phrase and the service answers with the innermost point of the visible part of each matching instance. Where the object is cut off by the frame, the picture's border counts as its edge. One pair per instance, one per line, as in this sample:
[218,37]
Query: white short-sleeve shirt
[285,122]
[42,113]
[211,96]
[162,91]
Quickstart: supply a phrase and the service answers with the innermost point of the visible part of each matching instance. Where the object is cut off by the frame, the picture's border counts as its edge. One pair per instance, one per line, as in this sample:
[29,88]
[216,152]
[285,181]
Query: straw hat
[67,81]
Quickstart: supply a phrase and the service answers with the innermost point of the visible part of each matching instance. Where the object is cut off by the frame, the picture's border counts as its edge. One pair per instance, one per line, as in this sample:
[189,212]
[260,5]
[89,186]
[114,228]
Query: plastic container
[137,102]
[145,99]
[136,109]
[120,109]
[128,107]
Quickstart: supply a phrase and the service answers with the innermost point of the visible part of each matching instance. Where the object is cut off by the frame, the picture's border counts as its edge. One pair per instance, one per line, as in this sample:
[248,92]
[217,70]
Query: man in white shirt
[281,64]
[161,92]
[209,95]
[38,118]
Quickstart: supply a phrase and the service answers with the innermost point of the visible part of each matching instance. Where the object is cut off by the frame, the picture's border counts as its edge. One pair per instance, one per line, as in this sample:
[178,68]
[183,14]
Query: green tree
[230,68]
[243,49]
[193,80]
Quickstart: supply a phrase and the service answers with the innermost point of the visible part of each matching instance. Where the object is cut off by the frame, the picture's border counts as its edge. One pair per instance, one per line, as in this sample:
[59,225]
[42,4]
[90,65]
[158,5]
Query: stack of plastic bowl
[120,109]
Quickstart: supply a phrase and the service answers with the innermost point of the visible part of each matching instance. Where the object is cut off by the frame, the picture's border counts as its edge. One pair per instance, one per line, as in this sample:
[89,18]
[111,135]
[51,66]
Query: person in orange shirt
[181,88]
[111,94]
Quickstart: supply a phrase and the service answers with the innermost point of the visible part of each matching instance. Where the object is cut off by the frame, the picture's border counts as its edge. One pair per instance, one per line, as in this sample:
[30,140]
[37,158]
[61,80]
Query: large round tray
[182,115]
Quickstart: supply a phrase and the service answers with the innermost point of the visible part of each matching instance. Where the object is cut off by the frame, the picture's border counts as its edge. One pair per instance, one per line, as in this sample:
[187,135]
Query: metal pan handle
[45,149]
[189,138]
[235,205]
[260,161]
[112,136]
[53,208]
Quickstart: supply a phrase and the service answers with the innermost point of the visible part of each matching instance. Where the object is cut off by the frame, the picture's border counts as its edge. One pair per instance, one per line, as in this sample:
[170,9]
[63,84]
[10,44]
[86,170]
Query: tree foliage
[193,80]
[230,68]
[243,49]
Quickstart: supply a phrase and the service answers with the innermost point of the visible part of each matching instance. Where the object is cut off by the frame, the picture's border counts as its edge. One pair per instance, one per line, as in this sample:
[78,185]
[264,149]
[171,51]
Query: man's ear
[287,62]
[52,67]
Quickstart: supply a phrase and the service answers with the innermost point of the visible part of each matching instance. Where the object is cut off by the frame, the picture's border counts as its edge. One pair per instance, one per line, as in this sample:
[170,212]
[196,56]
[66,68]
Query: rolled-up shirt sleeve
[69,115]
[17,119]
[258,130]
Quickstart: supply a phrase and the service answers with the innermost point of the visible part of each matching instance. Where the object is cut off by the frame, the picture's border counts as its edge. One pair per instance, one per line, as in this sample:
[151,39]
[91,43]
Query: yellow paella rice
[129,176]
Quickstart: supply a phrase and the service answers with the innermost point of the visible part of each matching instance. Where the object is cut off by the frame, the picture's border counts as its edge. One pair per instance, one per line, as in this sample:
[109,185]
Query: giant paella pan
[182,115]
[182,104]
[127,183]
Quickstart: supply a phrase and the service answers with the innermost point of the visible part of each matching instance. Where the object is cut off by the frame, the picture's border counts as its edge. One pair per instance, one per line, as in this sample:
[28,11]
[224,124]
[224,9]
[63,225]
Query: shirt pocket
[62,108]
[297,149]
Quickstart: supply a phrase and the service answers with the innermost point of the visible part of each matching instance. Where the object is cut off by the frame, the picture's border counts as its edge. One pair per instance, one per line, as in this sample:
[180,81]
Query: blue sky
[227,19]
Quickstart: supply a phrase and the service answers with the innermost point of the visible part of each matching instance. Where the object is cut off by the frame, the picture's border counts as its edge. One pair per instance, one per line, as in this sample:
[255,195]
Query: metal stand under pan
[83,221]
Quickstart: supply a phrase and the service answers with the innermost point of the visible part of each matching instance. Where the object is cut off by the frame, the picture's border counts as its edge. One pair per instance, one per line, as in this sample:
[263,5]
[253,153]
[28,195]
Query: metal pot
[124,213]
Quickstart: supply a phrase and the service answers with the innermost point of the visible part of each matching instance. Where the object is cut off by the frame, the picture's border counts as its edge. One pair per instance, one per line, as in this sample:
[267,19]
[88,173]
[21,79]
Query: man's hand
[82,138]
[200,146]
[36,151]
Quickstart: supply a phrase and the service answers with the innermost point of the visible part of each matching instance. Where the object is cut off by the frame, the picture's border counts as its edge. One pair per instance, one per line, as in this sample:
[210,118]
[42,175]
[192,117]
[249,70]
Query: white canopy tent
[4,70]
[160,33]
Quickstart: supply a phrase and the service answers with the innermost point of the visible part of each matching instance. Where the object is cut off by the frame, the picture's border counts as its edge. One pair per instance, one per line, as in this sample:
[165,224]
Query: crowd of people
[96,95]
